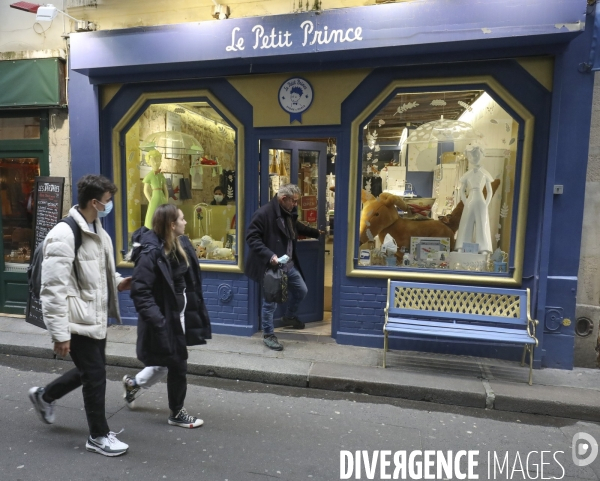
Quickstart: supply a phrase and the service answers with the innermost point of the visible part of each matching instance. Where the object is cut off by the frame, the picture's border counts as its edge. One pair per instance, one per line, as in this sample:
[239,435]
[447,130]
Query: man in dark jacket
[273,233]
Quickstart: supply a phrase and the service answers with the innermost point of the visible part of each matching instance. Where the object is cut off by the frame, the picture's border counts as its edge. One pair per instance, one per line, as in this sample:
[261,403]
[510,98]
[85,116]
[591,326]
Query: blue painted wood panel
[349,29]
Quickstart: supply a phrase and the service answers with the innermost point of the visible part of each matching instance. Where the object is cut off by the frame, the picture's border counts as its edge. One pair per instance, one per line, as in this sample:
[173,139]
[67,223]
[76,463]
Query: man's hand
[125,284]
[274,260]
[61,349]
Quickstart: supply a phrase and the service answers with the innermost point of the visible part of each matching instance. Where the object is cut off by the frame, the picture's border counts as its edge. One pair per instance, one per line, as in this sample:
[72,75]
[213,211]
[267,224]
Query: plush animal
[221,253]
[379,217]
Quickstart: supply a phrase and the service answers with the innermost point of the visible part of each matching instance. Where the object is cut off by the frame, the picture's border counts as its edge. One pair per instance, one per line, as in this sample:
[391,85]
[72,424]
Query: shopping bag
[275,288]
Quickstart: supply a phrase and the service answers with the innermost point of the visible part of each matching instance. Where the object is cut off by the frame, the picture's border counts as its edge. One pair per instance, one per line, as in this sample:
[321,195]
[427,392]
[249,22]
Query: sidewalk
[444,379]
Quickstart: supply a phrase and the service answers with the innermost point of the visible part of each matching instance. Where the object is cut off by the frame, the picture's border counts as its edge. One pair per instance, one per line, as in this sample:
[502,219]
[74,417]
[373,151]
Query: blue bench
[461,312]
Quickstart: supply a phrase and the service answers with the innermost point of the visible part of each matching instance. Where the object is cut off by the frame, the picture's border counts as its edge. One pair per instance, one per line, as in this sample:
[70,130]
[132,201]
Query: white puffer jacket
[81,309]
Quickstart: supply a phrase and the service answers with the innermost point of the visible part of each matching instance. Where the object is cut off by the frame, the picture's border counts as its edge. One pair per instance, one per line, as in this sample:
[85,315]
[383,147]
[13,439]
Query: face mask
[107,209]
[218,198]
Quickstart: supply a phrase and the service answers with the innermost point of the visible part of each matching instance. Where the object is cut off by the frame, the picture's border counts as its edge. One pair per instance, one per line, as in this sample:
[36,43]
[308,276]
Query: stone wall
[588,288]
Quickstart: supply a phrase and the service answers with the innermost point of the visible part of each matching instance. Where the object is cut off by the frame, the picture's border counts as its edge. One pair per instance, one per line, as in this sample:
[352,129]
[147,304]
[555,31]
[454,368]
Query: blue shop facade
[352,104]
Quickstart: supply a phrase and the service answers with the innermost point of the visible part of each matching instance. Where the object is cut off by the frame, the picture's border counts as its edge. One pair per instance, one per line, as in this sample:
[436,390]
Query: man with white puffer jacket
[78,294]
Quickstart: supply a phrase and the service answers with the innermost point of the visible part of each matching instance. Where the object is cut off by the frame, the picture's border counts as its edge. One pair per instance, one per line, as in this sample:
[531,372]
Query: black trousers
[176,384]
[90,372]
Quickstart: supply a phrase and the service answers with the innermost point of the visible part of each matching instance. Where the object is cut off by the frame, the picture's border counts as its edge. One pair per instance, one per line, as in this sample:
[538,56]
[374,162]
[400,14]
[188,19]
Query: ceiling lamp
[442,130]
[171,143]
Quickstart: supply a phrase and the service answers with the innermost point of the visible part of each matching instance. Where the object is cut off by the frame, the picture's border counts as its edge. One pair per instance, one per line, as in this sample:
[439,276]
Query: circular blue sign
[295,97]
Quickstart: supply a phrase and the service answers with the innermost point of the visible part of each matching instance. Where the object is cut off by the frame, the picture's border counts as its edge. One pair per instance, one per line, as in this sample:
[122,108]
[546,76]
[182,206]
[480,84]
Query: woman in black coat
[167,293]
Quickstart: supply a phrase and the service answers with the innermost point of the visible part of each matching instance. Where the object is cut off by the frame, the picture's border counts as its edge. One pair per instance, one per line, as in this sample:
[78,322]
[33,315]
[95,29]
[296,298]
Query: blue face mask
[107,209]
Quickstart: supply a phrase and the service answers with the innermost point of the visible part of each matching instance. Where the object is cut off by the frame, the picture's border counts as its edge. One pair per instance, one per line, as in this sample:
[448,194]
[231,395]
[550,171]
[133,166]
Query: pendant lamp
[171,143]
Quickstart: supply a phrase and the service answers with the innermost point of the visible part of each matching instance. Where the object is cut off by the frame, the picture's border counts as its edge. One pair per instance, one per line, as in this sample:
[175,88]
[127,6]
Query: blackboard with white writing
[48,205]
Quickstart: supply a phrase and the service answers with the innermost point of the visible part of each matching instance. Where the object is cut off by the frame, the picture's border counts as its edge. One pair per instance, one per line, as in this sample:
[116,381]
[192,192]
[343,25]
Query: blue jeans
[297,291]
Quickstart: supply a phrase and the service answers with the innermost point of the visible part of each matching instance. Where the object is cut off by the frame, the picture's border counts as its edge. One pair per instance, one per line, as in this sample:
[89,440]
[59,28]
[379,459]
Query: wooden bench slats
[516,337]
[517,321]
[398,324]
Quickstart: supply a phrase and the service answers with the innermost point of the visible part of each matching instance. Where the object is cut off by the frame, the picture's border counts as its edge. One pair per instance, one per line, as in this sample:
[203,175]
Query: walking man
[273,232]
[78,294]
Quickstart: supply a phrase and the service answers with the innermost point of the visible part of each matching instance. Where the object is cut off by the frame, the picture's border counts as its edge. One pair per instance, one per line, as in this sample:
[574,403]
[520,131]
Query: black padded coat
[267,235]
[160,336]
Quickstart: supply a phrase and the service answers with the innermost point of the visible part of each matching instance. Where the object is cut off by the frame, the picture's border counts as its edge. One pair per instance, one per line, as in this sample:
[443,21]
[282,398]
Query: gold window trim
[529,121]
[238,267]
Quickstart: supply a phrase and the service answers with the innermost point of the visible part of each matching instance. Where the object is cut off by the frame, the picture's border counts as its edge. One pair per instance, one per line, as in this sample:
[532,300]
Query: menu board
[48,205]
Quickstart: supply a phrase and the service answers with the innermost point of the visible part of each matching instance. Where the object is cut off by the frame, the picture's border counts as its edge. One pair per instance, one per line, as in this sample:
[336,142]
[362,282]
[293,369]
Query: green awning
[32,83]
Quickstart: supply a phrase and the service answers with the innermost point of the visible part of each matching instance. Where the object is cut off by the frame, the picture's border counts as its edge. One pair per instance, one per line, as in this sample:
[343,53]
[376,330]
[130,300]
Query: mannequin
[155,186]
[475,221]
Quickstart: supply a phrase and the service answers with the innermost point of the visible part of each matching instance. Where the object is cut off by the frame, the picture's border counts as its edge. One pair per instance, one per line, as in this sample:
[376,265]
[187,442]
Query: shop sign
[295,97]
[310,215]
[308,202]
[308,36]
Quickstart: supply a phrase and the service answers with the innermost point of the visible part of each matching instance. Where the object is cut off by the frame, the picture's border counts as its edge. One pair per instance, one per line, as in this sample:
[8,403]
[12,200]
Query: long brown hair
[164,216]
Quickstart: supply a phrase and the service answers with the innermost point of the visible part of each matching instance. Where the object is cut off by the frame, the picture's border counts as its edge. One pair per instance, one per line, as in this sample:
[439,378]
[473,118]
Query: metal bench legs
[385,347]
[528,347]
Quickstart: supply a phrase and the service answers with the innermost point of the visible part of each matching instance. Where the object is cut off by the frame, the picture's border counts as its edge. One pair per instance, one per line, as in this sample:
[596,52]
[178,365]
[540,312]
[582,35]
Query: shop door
[303,164]
[17,173]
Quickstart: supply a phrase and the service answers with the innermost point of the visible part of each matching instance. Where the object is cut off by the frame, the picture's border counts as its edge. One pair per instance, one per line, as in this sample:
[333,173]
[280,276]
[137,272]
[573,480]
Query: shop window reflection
[437,186]
[17,128]
[17,175]
[185,154]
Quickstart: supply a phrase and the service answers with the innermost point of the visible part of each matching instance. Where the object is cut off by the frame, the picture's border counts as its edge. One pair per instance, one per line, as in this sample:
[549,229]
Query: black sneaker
[272,343]
[45,410]
[293,322]
[130,391]
[185,420]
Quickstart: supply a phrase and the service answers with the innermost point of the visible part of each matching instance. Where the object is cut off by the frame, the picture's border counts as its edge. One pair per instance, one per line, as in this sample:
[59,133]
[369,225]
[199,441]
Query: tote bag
[275,288]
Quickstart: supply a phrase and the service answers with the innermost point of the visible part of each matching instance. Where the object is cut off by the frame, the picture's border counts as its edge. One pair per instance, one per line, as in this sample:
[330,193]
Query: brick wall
[226,299]
[362,302]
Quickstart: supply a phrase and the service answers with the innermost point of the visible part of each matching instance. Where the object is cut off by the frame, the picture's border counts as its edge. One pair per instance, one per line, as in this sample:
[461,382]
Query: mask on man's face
[218,198]
[107,209]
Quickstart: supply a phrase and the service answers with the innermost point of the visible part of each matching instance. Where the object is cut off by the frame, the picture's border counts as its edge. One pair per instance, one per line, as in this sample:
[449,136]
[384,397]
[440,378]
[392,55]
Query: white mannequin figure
[475,220]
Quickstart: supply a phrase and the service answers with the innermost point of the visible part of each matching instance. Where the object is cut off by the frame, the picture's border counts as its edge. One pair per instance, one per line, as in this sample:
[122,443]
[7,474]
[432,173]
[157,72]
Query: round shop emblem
[295,97]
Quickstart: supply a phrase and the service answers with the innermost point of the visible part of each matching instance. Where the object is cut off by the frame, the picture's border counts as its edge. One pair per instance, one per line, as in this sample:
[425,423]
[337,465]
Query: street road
[256,432]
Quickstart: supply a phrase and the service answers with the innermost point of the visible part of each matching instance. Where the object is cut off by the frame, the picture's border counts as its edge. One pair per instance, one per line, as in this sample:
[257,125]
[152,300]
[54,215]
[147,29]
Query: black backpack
[34,271]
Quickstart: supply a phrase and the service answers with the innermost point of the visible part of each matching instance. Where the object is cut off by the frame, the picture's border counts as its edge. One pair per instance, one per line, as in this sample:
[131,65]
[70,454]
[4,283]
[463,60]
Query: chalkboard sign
[48,206]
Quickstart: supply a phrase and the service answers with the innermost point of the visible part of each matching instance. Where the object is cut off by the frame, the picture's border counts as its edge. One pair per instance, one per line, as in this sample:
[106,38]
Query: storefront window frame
[524,159]
[10,299]
[119,158]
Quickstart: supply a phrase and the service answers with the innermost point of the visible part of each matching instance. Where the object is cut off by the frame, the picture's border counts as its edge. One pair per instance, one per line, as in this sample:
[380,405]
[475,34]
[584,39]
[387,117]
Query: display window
[185,154]
[440,173]
[17,176]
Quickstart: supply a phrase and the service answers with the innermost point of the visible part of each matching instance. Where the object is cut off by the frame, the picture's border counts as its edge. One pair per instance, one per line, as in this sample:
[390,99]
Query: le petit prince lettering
[278,39]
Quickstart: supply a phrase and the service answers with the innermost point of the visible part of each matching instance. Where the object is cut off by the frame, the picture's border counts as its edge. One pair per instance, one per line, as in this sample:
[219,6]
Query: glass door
[303,164]
[17,174]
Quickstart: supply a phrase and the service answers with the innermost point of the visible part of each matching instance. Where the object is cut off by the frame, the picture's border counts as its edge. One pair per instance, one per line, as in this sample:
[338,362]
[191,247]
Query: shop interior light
[47,13]
[442,130]
[171,142]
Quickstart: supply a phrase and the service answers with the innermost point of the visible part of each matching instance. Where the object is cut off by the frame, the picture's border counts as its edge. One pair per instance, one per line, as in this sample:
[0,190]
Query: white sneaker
[131,391]
[45,410]
[107,445]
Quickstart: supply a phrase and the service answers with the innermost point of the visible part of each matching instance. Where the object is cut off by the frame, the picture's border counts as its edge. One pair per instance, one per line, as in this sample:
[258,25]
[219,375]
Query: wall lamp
[46,13]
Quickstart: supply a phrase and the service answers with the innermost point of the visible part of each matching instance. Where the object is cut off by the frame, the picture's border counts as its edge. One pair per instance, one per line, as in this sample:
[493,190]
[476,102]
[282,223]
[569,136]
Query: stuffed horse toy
[379,217]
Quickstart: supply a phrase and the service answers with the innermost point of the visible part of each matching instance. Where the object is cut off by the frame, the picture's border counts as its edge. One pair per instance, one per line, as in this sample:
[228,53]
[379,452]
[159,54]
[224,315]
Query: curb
[565,402]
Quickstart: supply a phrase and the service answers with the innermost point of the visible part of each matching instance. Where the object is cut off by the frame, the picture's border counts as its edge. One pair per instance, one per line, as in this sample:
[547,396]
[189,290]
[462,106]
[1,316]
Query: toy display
[475,220]
[380,217]
[155,186]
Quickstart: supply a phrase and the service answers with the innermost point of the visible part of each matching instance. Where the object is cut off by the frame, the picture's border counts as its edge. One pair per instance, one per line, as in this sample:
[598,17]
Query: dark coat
[160,336]
[267,235]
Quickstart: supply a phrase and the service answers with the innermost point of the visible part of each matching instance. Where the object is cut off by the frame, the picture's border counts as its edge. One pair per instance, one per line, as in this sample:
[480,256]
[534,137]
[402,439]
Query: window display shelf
[15,267]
